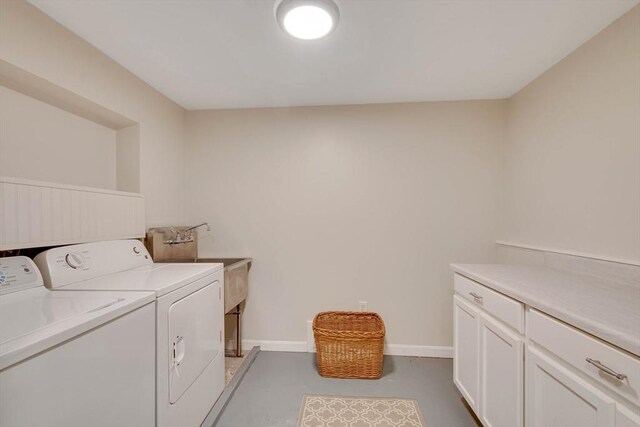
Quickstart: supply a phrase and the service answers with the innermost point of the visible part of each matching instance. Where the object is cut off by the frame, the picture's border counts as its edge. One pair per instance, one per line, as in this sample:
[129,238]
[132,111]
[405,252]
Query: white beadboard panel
[2,205]
[23,214]
[35,201]
[56,214]
[10,213]
[47,215]
[36,214]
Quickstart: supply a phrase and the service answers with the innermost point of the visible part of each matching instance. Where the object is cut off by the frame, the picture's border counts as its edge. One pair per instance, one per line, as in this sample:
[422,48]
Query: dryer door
[194,337]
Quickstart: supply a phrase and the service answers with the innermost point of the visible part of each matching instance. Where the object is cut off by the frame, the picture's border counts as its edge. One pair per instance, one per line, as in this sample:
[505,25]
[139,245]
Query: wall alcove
[69,167]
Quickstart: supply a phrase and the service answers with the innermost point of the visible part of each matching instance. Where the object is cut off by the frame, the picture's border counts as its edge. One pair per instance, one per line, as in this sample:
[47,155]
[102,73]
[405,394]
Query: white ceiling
[232,54]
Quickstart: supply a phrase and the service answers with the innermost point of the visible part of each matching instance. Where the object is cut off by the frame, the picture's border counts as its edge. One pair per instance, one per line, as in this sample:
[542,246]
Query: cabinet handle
[476,297]
[606,369]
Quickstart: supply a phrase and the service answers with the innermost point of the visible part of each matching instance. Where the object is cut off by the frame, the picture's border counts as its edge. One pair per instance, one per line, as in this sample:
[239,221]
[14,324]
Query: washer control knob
[136,250]
[74,260]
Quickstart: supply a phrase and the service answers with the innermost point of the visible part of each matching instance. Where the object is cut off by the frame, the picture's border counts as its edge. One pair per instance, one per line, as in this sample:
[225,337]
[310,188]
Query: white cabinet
[518,367]
[466,358]
[625,417]
[591,357]
[501,374]
[488,365]
[573,377]
[556,397]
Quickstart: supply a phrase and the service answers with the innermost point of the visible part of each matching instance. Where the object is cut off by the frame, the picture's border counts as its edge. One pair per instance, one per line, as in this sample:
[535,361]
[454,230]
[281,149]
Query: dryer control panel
[70,264]
[18,273]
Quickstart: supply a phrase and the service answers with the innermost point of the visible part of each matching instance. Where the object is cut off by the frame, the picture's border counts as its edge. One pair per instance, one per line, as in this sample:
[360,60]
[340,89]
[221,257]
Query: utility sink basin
[226,261]
[236,278]
[236,287]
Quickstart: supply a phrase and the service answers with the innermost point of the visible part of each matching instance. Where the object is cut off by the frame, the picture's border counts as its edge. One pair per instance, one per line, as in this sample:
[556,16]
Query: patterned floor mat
[342,411]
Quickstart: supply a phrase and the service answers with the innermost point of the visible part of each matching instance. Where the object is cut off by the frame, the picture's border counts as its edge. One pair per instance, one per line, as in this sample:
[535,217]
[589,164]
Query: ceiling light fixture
[307,19]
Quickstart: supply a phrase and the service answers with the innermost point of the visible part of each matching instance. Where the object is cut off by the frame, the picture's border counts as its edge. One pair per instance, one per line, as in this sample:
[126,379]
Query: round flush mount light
[307,19]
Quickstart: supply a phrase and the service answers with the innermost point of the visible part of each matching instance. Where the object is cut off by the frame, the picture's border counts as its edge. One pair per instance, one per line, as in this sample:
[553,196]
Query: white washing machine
[73,358]
[189,317]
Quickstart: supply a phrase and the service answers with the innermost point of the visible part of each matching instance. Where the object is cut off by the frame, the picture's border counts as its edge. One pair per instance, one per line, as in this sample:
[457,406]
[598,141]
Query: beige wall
[342,204]
[34,42]
[573,151]
[39,141]
[128,159]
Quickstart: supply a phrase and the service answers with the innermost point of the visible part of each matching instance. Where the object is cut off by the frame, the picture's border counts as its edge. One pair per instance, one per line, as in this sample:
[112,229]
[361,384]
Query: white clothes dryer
[189,317]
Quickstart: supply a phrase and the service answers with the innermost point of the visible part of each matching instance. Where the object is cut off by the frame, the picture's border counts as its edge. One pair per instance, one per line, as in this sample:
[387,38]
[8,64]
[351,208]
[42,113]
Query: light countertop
[606,309]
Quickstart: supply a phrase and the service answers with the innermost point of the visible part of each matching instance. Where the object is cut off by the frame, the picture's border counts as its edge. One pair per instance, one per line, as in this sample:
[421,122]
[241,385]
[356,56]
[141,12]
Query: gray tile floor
[271,392]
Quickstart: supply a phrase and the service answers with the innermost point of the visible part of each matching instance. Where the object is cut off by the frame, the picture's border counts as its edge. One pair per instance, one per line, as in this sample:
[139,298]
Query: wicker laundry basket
[349,344]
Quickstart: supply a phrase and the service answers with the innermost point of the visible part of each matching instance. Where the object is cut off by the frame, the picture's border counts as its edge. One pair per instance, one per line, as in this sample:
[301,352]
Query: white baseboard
[390,349]
[290,346]
[419,350]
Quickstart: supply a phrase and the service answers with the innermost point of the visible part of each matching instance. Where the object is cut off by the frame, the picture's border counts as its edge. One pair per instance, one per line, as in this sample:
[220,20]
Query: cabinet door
[501,375]
[466,321]
[626,417]
[556,397]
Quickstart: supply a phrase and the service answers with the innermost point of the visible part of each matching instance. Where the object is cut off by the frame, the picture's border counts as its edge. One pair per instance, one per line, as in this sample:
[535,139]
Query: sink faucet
[186,235]
[196,226]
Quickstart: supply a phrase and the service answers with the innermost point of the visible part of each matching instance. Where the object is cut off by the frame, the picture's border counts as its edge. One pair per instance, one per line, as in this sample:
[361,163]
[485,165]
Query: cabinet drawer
[575,347]
[499,306]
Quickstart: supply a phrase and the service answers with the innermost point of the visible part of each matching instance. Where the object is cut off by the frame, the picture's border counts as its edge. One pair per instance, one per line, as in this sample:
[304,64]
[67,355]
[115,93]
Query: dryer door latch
[178,352]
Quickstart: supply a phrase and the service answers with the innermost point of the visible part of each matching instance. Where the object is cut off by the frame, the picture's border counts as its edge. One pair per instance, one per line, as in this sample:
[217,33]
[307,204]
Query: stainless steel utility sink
[236,278]
[226,261]
[236,286]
